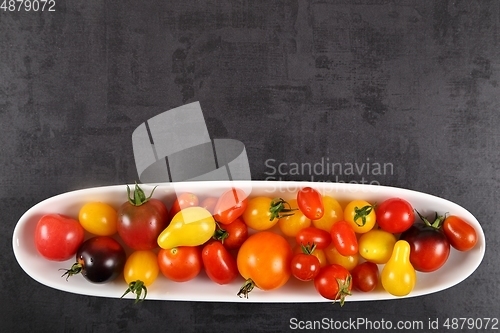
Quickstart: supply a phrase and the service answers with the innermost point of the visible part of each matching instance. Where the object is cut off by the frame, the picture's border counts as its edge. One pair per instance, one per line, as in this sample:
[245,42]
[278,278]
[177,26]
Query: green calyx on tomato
[344,290]
[362,213]
[138,197]
[76,268]
[136,287]
[308,249]
[436,224]
[280,208]
[246,288]
[220,234]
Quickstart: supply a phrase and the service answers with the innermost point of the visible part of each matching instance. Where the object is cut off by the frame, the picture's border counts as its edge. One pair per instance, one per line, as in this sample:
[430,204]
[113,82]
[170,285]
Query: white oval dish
[458,267]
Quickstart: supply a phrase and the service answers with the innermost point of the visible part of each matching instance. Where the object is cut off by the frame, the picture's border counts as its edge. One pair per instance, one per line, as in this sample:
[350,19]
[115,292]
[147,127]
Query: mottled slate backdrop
[409,84]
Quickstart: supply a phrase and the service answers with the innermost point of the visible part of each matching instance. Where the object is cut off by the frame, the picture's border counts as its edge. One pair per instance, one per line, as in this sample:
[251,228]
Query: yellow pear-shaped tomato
[398,275]
[191,226]
[376,245]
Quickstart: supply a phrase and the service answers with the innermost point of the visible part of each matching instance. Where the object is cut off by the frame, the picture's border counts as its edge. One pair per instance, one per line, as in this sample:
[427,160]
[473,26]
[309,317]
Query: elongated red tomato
[230,206]
[344,238]
[310,203]
[219,264]
[312,235]
[461,235]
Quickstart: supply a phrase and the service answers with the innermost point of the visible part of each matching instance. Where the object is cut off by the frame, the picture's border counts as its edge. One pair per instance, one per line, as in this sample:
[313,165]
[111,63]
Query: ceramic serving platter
[458,267]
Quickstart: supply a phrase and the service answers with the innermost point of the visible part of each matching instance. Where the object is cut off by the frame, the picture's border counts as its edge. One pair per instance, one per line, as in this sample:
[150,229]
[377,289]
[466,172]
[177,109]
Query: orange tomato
[290,225]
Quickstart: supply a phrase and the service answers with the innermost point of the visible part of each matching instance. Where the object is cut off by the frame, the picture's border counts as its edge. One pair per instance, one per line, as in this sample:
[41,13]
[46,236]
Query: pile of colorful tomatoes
[266,241]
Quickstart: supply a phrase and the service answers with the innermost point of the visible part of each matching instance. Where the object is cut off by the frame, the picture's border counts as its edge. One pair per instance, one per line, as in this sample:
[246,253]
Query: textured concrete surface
[408,83]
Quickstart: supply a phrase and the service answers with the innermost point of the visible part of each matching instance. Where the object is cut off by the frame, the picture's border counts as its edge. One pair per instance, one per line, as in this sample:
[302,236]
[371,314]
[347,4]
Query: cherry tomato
[376,245]
[312,235]
[333,213]
[395,215]
[429,246]
[181,263]
[141,220]
[304,265]
[232,235]
[360,215]
[333,282]
[461,235]
[365,276]
[344,238]
[292,224]
[58,237]
[264,261]
[258,214]
[230,205]
[334,257]
[99,259]
[98,218]
[183,200]
[310,202]
[219,264]
[318,253]
[398,277]
[140,271]
[209,203]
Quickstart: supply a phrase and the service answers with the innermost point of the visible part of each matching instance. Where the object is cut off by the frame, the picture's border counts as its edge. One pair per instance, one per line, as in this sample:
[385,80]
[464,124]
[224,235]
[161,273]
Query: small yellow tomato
[360,215]
[258,214]
[98,218]
[140,271]
[334,257]
[290,225]
[332,213]
[376,245]
[398,276]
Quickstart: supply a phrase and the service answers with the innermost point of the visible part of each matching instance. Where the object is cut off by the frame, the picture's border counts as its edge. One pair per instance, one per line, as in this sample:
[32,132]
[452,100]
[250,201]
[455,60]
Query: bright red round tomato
[395,215]
[365,276]
[234,234]
[312,235]
[333,282]
[310,203]
[181,263]
[58,237]
[183,200]
[219,264]
[264,260]
[344,238]
[305,266]
[230,206]
[461,235]
[141,221]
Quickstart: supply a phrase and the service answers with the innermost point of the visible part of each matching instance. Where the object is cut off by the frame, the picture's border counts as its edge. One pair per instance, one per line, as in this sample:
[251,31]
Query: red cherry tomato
[305,266]
[141,220]
[461,235]
[395,215]
[333,282]
[233,235]
[365,276]
[311,235]
[183,200]
[310,203]
[181,263]
[58,237]
[230,206]
[219,264]
[344,238]
[209,203]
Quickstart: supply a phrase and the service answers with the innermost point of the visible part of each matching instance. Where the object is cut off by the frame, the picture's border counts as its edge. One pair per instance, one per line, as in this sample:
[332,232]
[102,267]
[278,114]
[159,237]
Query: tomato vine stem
[246,288]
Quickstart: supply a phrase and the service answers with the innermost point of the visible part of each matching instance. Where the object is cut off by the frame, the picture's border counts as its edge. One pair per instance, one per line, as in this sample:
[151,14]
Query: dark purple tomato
[99,259]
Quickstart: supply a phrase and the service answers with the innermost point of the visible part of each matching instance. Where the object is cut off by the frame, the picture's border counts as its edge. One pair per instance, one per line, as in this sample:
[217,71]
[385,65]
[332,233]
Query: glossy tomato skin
[333,282]
[230,205]
[102,259]
[310,202]
[237,234]
[141,266]
[365,276]
[312,235]
[344,238]
[140,226]
[98,218]
[265,257]
[58,237]
[219,264]
[181,263]
[395,215]
[461,235]
[305,267]
[429,247]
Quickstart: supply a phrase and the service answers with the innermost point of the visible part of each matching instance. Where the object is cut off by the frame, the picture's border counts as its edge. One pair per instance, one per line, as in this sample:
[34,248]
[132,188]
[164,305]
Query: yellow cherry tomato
[258,214]
[98,218]
[140,271]
[191,226]
[334,257]
[290,225]
[376,245]
[398,276]
[360,215]
[333,212]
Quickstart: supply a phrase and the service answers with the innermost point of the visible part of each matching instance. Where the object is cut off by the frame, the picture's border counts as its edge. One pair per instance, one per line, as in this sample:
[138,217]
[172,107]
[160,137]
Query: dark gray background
[412,83]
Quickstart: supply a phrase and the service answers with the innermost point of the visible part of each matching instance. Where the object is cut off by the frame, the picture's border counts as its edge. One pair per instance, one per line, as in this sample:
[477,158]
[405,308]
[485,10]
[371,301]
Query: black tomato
[99,259]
